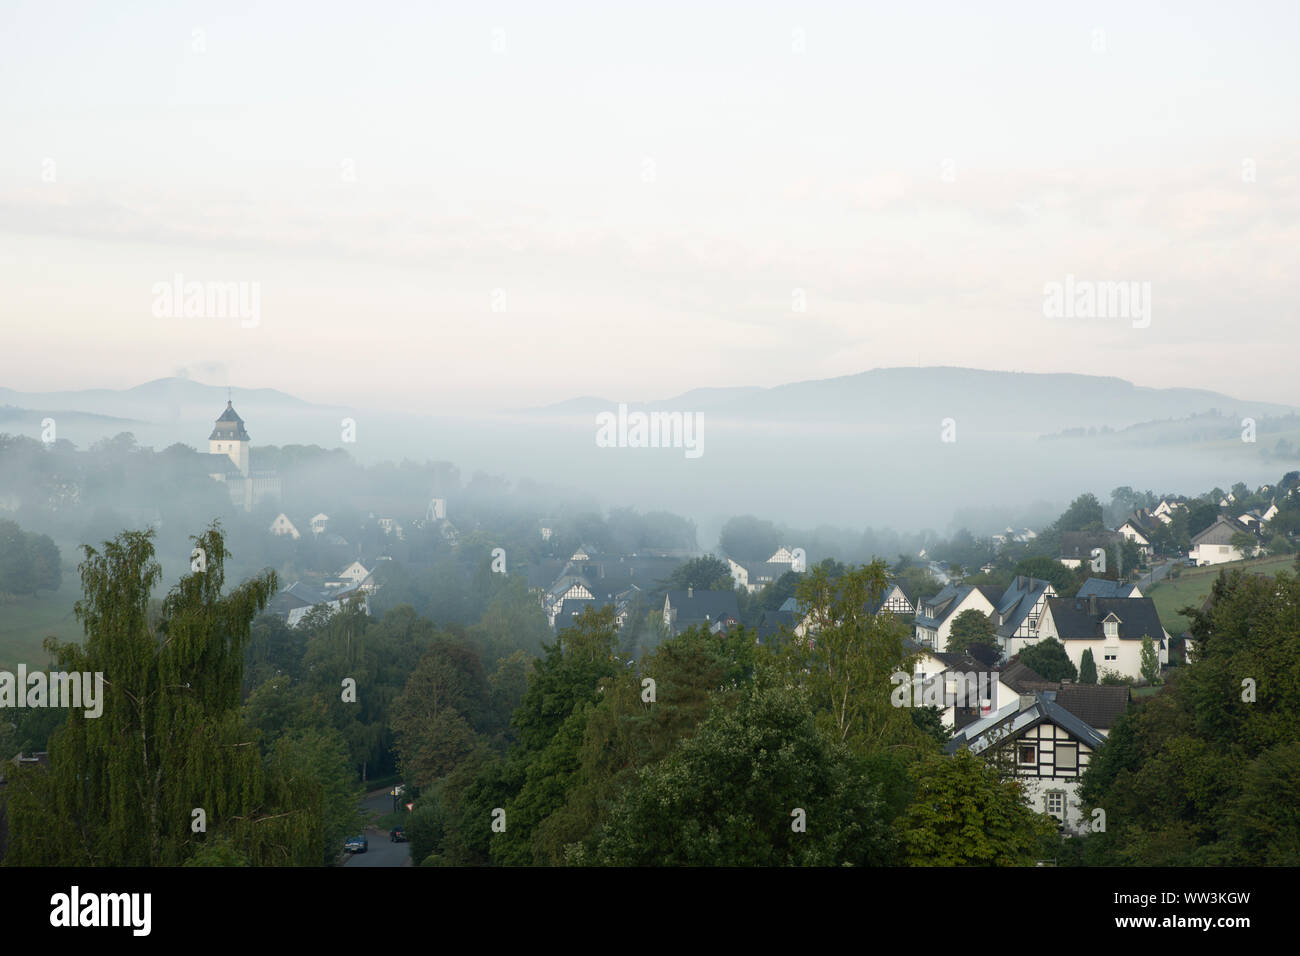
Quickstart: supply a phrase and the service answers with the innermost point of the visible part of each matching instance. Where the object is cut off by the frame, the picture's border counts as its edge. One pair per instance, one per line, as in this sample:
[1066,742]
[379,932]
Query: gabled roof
[1078,545]
[229,427]
[1023,679]
[700,605]
[1097,705]
[1081,618]
[933,611]
[1221,531]
[1015,718]
[1016,603]
[1100,587]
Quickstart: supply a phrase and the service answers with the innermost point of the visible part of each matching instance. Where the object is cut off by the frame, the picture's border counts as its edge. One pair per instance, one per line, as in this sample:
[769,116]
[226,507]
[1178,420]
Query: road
[381,851]
[1156,574]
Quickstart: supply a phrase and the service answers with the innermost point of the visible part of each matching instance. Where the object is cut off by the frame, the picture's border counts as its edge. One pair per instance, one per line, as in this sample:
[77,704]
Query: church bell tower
[230,438]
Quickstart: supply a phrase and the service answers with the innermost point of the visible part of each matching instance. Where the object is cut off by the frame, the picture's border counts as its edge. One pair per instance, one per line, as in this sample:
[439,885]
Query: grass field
[1193,587]
[25,622]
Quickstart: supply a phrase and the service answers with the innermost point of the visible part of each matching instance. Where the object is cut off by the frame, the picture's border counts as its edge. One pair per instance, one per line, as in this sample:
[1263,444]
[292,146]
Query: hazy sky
[493,204]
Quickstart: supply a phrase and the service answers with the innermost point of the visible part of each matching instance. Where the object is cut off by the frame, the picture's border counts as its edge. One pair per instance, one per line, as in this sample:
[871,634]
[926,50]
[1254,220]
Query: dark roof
[1100,587]
[933,611]
[1023,679]
[569,609]
[229,427]
[1016,720]
[1081,618]
[1097,705]
[1079,544]
[1016,603]
[1221,531]
[698,606]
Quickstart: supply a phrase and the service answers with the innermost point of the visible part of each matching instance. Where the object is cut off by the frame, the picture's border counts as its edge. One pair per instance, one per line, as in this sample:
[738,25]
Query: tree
[1087,668]
[1050,570]
[550,723]
[965,814]
[433,720]
[1048,657]
[747,538]
[703,574]
[758,785]
[846,661]
[1245,542]
[1150,661]
[970,628]
[1084,514]
[120,787]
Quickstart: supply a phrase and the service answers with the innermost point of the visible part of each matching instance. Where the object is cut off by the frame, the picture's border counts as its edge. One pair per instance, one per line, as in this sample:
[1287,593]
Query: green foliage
[1049,569]
[965,814]
[703,574]
[970,628]
[550,723]
[28,562]
[845,667]
[120,788]
[747,538]
[1084,514]
[435,718]
[1201,773]
[1150,661]
[1087,668]
[1048,658]
[728,796]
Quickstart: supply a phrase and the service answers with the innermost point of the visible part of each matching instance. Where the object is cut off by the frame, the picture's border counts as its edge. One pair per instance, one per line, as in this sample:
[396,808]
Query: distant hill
[163,399]
[12,414]
[1019,402]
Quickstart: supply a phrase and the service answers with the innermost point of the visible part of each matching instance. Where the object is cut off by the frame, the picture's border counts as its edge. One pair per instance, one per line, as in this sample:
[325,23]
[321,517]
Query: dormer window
[1112,629]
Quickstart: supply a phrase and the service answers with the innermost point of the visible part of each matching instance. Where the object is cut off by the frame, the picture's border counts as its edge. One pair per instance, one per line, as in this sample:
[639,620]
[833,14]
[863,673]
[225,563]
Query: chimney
[690,592]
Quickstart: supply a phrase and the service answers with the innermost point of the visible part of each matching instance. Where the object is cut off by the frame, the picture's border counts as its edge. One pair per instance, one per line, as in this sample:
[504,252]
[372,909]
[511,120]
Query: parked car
[356,844]
[398,835]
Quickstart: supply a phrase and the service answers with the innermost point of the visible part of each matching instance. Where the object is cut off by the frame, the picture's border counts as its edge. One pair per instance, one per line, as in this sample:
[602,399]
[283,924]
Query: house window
[1112,654]
[1067,757]
[1056,803]
[1028,754]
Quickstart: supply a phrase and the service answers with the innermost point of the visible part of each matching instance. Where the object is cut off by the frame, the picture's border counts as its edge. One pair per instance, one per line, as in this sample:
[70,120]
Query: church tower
[230,438]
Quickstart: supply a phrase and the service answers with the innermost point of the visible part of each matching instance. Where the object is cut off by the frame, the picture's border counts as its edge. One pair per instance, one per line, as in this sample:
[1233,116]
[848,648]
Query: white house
[282,526]
[354,573]
[1019,612]
[1049,749]
[319,522]
[1137,531]
[1214,544]
[934,615]
[782,555]
[1112,628]
[965,689]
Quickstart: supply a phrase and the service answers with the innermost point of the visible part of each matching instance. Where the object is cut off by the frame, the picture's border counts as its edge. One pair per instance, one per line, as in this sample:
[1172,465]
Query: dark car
[398,835]
[356,844]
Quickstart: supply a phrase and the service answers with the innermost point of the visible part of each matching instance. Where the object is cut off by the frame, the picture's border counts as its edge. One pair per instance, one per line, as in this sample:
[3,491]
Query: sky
[494,205]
